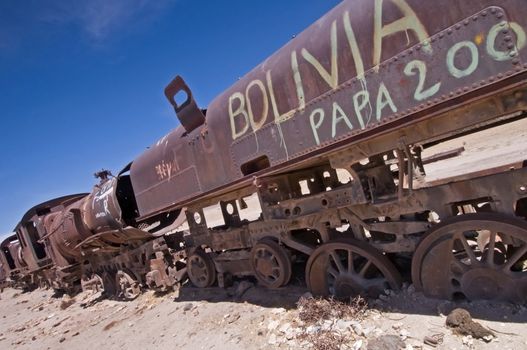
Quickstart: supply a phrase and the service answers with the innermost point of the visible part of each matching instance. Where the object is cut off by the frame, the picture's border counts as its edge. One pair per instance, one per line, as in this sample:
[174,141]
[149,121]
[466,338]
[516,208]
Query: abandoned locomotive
[315,157]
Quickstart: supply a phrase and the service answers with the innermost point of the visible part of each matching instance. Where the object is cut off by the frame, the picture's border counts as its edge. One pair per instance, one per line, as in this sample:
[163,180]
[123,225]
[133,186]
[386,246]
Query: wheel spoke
[333,272]
[468,248]
[515,257]
[365,268]
[351,268]
[337,261]
[490,249]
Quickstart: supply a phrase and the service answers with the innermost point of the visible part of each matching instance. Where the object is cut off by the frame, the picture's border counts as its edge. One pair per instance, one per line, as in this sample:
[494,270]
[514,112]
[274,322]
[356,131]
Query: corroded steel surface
[362,68]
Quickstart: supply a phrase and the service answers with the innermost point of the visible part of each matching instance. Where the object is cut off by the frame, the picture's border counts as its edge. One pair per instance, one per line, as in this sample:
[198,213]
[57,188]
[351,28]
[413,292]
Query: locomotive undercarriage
[158,264]
[460,237]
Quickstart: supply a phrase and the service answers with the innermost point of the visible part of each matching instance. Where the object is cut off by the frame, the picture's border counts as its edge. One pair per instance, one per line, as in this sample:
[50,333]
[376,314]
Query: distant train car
[11,259]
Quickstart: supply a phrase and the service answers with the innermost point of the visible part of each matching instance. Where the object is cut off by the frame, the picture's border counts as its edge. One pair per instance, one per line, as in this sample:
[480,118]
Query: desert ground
[247,316]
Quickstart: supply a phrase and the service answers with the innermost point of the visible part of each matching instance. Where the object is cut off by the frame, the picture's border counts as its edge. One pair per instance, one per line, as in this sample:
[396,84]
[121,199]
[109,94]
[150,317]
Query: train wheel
[201,270]
[94,283]
[127,286]
[271,264]
[344,268]
[474,256]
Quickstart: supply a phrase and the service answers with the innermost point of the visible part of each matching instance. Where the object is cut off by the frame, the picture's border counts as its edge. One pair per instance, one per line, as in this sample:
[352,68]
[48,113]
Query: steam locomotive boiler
[315,157]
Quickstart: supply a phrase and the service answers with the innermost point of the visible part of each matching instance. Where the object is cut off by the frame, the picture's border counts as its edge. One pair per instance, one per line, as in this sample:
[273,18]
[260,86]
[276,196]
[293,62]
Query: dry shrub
[325,340]
[312,310]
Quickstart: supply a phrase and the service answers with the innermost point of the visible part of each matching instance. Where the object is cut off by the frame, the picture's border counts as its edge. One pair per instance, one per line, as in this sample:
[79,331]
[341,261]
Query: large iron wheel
[201,270]
[345,268]
[128,287]
[271,264]
[474,256]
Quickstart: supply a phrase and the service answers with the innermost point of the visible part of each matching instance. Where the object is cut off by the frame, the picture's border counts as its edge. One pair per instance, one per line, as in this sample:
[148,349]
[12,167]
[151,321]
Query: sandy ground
[240,318]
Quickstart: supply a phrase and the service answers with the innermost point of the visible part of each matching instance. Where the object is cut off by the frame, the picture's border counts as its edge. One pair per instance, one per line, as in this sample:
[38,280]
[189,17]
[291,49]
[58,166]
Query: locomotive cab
[6,256]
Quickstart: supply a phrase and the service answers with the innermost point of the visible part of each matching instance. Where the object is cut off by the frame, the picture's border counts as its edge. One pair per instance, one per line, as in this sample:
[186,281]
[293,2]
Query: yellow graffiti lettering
[354,47]
[338,116]
[420,93]
[360,100]
[265,104]
[384,99]
[237,113]
[332,79]
[316,124]
[298,82]
[409,22]
[474,59]
[498,55]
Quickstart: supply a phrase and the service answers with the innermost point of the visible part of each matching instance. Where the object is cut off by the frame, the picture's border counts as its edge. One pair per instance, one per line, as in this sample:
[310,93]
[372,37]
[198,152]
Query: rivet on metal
[484,13]
[449,31]
[516,61]
[465,22]
[458,26]
[499,15]
[475,18]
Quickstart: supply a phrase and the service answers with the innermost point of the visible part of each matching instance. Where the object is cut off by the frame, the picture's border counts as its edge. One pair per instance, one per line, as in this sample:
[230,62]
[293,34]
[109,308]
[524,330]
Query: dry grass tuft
[325,340]
[312,310]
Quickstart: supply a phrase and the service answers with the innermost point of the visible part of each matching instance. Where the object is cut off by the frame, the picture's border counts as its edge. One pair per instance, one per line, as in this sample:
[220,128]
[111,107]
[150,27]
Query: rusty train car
[324,141]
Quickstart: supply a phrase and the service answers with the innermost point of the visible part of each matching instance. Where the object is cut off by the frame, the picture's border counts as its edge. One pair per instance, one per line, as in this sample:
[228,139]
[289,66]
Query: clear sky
[81,82]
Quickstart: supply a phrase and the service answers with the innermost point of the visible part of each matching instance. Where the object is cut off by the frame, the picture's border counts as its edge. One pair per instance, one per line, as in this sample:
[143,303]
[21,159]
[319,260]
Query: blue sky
[81,82]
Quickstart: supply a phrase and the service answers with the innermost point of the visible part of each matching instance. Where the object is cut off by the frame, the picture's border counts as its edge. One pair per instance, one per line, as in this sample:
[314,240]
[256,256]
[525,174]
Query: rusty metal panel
[453,62]
[181,186]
